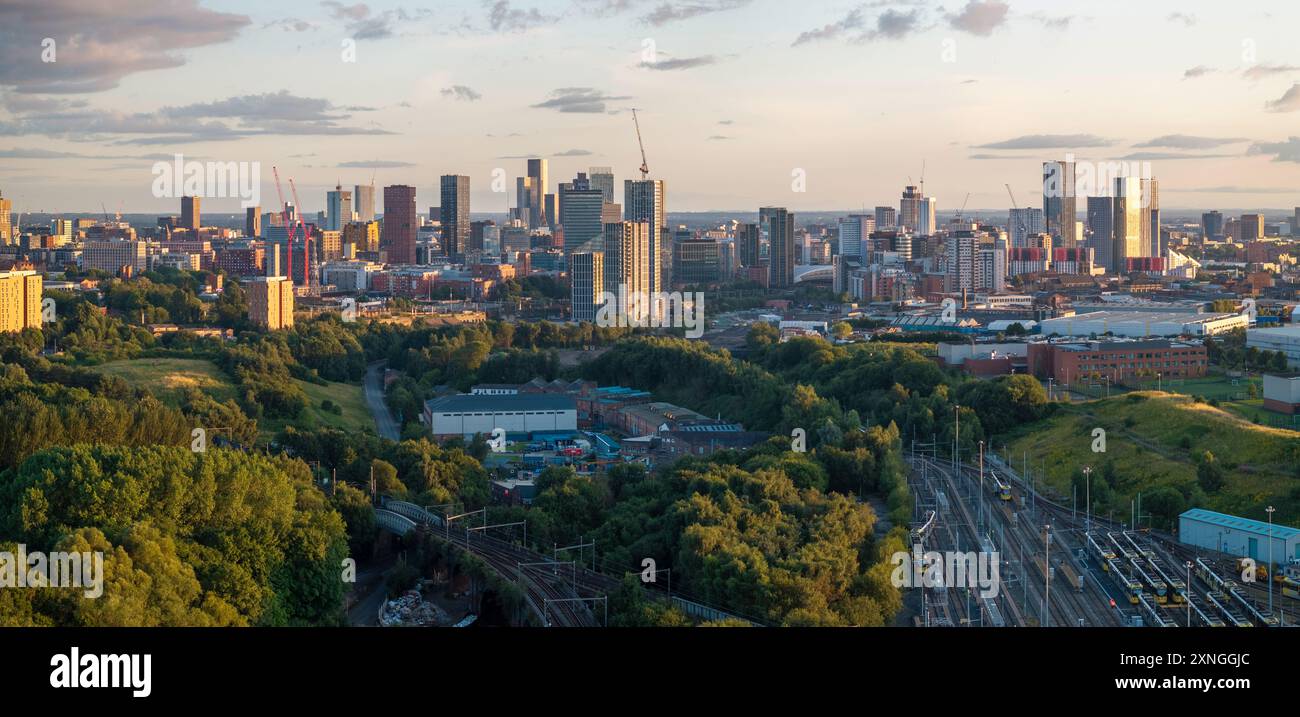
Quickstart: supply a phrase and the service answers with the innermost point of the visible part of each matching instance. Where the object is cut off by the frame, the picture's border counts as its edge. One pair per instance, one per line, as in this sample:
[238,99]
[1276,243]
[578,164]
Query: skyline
[1206,98]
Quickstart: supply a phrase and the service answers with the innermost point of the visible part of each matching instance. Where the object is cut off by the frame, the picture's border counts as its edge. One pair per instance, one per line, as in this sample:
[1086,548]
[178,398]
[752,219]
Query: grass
[1151,438]
[168,378]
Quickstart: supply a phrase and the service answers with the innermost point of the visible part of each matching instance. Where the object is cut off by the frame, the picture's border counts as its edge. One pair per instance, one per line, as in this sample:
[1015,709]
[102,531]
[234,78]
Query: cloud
[1259,72]
[680,63]
[1288,151]
[574,153]
[1229,189]
[1151,156]
[1198,71]
[52,154]
[895,24]
[1185,18]
[375,164]
[504,18]
[718,138]
[831,31]
[1183,141]
[980,17]
[1288,102]
[1049,141]
[361,25]
[1053,22]
[461,93]
[584,100]
[108,45]
[290,24]
[669,12]
[727,122]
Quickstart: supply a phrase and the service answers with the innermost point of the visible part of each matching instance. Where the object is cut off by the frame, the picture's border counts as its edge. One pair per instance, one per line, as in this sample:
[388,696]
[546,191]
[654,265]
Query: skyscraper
[1101,222]
[886,218]
[961,249]
[926,224]
[455,214]
[190,212]
[338,208]
[853,230]
[643,201]
[1023,222]
[1130,229]
[253,222]
[909,208]
[7,233]
[270,302]
[587,278]
[1295,224]
[1250,228]
[747,245]
[536,193]
[780,234]
[602,178]
[364,201]
[581,213]
[400,224]
[1212,225]
[628,263]
[1151,214]
[1059,203]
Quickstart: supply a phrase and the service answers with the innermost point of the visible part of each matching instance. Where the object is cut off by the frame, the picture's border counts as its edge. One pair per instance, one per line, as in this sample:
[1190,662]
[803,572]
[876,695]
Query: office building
[1250,228]
[338,208]
[854,229]
[1059,203]
[781,250]
[602,178]
[1212,225]
[253,222]
[363,200]
[1022,222]
[748,245]
[455,214]
[20,301]
[582,214]
[190,218]
[643,201]
[400,224]
[696,260]
[270,302]
[1119,361]
[587,281]
[886,218]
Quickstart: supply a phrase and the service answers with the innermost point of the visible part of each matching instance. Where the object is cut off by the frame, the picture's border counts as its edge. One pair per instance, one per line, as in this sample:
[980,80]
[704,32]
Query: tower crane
[306,239]
[645,167]
[284,220]
[963,206]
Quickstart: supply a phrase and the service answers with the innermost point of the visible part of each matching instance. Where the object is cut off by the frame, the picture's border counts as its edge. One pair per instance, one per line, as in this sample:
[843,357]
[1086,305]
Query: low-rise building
[467,414]
[1118,361]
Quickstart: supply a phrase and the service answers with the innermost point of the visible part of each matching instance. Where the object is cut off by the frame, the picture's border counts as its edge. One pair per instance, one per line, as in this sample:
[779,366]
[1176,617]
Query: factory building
[1241,537]
[520,414]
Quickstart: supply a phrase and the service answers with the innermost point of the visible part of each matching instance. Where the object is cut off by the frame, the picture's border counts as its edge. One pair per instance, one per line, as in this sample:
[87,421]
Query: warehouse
[1241,537]
[1135,324]
[520,415]
[1284,338]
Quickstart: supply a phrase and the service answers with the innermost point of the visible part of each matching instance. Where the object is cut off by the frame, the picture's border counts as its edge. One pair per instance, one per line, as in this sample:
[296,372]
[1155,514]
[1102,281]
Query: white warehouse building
[1241,537]
[1283,338]
[1134,324]
[467,414]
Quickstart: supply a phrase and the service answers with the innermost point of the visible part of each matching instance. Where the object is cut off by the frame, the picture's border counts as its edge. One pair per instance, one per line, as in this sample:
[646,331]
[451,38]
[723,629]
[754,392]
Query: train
[1101,554]
[1001,487]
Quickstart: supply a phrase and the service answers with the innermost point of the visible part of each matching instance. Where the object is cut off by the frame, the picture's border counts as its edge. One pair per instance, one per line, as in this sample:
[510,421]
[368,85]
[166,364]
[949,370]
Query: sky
[813,105]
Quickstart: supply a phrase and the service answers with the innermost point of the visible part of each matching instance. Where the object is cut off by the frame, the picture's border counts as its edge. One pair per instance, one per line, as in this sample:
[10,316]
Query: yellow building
[270,302]
[20,301]
[362,235]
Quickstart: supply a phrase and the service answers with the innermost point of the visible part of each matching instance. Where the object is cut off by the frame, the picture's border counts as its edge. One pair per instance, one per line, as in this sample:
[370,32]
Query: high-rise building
[1101,222]
[991,268]
[587,279]
[115,256]
[1023,222]
[1295,223]
[1212,225]
[400,224]
[853,230]
[1131,225]
[364,201]
[253,222]
[1151,215]
[696,260]
[582,209]
[1059,203]
[748,245]
[910,208]
[628,264]
[643,201]
[270,301]
[926,224]
[20,301]
[455,214]
[531,194]
[602,178]
[190,213]
[1250,227]
[780,235]
[338,208]
[886,219]
[961,249]
[6,227]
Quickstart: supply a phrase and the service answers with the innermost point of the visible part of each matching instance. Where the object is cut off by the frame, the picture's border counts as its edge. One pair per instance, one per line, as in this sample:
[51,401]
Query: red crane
[284,219]
[306,241]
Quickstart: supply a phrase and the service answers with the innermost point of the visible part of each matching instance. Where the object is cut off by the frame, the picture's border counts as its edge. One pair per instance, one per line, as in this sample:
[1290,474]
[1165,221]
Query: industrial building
[1283,338]
[1118,361]
[1282,393]
[1134,324]
[521,414]
[1241,537]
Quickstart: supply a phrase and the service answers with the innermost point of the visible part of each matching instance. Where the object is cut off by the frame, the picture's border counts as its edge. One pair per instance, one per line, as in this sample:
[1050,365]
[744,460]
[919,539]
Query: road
[374,385]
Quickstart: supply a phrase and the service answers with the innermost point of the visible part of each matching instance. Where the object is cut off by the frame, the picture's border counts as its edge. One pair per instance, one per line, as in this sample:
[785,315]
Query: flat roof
[1246,525]
[495,403]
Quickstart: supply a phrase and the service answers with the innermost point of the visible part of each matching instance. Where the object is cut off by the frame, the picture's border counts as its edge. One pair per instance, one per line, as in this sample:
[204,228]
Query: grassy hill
[1152,440]
[168,378]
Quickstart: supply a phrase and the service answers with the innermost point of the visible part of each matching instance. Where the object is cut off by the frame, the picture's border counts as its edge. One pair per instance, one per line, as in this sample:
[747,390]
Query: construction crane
[306,240]
[105,208]
[645,167]
[923,178]
[1020,219]
[963,206]
[284,220]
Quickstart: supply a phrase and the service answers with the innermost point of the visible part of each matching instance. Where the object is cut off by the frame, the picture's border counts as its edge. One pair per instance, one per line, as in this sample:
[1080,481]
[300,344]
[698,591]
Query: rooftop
[497,403]
[1258,527]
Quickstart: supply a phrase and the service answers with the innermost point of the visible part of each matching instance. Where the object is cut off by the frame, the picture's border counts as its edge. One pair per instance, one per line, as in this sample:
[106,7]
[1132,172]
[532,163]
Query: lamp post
[1269,510]
[1087,508]
[1188,595]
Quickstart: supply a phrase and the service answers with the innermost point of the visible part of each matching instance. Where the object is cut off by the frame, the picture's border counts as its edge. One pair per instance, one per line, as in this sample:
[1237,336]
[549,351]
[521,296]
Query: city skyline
[478,87]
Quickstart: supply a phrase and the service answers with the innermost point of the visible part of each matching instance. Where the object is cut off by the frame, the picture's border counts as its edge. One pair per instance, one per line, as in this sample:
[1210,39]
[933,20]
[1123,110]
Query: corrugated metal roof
[497,403]
[1258,527]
